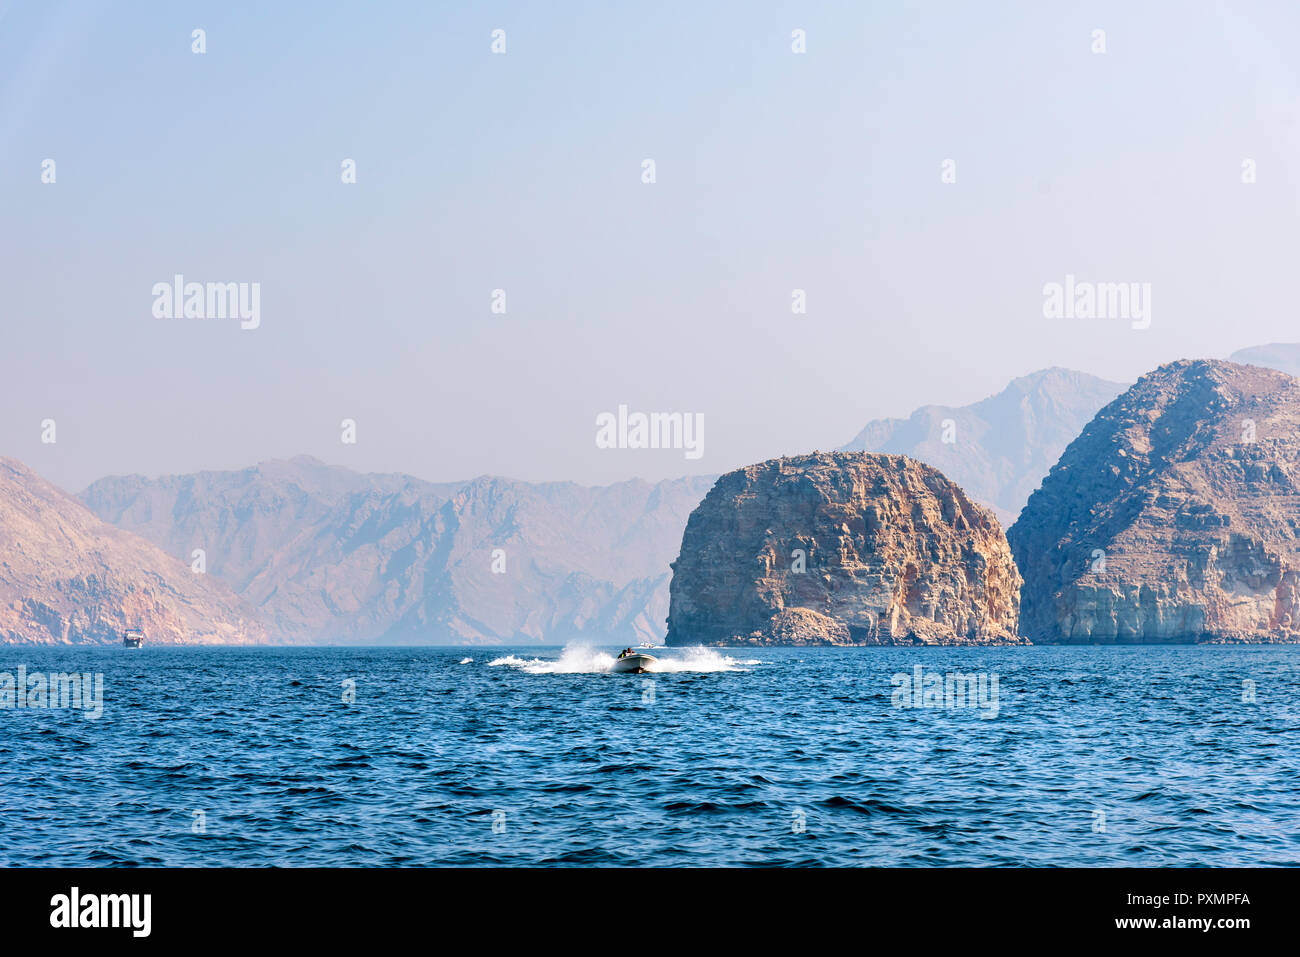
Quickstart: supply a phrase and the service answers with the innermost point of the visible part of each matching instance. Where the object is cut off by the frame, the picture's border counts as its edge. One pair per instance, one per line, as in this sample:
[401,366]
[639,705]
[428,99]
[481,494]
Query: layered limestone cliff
[843,548]
[1174,517]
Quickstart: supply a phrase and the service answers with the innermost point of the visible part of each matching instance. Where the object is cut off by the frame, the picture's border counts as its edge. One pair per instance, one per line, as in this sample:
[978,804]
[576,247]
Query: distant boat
[647,644]
[132,638]
[634,663]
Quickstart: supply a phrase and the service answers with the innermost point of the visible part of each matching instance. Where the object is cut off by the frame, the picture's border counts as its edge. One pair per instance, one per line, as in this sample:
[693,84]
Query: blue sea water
[473,756]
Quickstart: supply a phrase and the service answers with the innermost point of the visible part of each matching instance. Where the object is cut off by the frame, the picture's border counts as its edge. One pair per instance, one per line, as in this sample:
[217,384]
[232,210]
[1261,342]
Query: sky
[523,171]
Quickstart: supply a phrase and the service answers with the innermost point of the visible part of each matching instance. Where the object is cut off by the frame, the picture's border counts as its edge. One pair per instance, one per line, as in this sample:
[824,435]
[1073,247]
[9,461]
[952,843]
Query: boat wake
[585,660]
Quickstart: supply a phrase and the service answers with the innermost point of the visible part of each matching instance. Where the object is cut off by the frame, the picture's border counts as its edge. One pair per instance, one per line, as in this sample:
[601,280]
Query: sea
[491,756]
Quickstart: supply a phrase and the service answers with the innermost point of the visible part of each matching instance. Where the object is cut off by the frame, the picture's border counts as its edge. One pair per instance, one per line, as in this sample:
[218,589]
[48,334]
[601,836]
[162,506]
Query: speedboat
[634,664]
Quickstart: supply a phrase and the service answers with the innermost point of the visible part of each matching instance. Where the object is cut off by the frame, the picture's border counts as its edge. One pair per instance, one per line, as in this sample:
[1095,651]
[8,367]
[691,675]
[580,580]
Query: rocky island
[1174,517]
[843,548]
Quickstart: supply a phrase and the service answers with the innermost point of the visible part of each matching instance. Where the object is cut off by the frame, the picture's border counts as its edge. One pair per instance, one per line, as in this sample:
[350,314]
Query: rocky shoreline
[1173,518]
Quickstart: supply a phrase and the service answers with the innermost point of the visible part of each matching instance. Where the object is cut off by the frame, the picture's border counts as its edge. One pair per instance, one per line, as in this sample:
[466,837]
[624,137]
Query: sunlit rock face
[844,548]
[1174,516]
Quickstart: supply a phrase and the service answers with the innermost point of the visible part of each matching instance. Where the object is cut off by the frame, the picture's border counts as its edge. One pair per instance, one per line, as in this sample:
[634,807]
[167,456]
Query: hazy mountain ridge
[1003,445]
[327,554]
[1282,356]
[256,511]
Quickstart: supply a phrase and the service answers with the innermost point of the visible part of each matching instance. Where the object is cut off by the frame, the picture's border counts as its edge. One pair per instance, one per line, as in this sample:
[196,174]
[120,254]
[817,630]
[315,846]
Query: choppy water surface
[1096,756]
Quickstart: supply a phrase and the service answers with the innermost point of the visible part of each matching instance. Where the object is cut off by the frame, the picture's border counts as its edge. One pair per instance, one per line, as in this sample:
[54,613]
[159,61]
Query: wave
[705,659]
[584,659]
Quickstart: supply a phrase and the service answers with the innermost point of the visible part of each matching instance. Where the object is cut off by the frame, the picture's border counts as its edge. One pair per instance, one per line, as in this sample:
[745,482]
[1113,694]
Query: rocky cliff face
[327,554]
[68,578]
[998,449]
[892,553]
[1174,517]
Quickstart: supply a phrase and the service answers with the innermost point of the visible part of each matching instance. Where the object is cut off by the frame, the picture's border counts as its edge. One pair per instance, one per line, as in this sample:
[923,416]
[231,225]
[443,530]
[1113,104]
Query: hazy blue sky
[522,171]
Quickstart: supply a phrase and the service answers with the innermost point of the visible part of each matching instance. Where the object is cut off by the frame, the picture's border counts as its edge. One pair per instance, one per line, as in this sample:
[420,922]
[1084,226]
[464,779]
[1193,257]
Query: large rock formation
[327,554]
[1174,517]
[999,448]
[893,553]
[68,578]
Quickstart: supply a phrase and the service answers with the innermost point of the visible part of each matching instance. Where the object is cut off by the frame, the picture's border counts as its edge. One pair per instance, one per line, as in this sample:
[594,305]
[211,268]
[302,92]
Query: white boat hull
[634,664]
